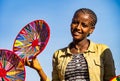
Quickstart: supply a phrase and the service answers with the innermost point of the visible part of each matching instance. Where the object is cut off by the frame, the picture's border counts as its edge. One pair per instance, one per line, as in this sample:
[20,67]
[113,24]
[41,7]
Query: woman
[82,59]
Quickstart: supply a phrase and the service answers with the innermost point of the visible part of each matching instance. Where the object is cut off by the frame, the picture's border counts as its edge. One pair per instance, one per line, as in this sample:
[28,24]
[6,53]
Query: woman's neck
[80,46]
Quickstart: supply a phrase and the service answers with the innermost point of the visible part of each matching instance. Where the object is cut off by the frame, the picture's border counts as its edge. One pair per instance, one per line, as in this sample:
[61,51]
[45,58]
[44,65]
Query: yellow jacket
[99,59]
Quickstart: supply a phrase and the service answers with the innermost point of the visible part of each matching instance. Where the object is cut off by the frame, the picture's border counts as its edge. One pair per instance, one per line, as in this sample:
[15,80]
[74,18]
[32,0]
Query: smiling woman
[83,24]
[14,14]
[82,59]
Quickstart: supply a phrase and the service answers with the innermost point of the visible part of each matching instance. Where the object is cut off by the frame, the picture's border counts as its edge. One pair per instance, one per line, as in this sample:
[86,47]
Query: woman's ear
[92,29]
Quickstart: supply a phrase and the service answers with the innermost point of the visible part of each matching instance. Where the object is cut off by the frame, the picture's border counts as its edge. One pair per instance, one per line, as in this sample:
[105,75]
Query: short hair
[87,11]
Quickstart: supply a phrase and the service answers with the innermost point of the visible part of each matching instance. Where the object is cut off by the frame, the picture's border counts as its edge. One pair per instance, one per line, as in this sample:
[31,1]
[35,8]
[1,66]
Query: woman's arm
[109,67]
[34,63]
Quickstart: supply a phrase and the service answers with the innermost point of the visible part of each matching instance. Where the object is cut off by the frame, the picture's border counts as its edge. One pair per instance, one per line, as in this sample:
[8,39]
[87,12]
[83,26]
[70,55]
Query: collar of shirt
[90,48]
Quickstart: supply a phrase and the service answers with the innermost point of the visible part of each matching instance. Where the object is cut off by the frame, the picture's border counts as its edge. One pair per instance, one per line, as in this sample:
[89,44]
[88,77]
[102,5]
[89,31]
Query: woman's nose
[79,26]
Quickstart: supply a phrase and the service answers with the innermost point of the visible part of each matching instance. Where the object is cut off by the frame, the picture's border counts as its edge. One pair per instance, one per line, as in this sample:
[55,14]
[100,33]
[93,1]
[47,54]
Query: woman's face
[81,26]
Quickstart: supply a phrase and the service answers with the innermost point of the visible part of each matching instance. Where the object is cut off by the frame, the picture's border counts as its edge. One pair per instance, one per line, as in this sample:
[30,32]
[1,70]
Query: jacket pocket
[98,63]
[99,68]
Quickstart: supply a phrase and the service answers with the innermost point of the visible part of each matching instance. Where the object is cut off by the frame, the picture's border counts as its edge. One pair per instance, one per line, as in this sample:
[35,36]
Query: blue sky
[15,14]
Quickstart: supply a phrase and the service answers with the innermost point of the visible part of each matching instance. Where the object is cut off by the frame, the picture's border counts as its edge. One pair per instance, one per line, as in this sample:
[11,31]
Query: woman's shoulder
[101,46]
[60,52]
[100,49]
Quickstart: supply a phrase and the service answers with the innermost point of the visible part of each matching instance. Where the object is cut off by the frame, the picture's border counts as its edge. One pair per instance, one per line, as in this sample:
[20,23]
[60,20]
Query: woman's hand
[34,63]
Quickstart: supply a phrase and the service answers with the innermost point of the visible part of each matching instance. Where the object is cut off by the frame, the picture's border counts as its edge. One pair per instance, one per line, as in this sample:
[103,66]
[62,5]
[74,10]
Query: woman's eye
[75,22]
[84,25]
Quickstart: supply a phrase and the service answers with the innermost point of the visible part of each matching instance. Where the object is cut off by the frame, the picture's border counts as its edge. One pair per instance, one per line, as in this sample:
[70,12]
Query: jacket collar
[91,48]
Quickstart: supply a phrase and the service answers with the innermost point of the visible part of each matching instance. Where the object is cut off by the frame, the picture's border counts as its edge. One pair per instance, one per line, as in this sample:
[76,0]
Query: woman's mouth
[76,33]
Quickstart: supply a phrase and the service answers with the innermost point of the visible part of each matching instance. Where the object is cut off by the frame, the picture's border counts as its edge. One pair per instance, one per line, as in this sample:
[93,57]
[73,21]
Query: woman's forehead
[82,17]
[86,16]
